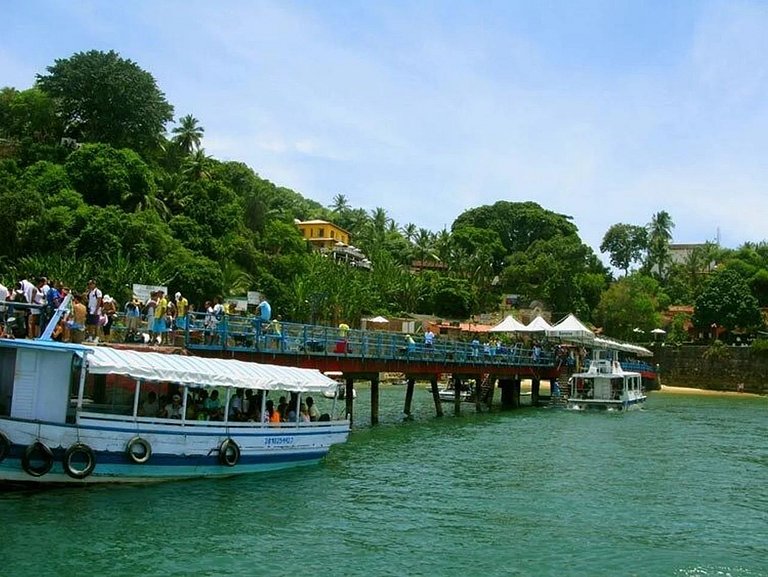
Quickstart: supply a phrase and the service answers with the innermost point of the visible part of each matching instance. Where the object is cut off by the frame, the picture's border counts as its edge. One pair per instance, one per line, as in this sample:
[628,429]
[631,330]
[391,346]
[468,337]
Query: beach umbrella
[659,332]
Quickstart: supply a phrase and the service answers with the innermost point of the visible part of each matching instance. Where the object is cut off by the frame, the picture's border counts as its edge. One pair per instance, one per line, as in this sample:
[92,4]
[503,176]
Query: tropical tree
[188,134]
[625,243]
[101,97]
[340,204]
[659,237]
[518,224]
[630,303]
[726,301]
[107,176]
[197,165]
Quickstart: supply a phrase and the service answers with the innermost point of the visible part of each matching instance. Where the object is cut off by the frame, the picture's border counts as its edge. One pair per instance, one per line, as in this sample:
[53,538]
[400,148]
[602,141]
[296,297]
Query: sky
[605,111]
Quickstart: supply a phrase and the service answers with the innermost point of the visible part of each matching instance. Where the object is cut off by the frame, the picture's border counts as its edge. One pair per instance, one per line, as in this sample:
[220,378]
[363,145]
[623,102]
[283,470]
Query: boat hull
[178,451]
[605,405]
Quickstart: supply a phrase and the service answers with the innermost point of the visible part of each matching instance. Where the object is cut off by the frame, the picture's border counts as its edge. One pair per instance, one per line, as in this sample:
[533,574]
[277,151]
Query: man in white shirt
[94,310]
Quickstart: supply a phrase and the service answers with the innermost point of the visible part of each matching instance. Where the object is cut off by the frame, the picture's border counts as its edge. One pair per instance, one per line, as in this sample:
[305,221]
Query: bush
[717,351]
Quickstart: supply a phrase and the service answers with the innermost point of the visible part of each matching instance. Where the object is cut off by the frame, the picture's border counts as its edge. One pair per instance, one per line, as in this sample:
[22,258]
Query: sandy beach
[668,390]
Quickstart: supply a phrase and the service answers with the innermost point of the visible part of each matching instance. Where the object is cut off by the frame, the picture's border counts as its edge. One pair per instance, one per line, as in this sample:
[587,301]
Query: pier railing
[247,333]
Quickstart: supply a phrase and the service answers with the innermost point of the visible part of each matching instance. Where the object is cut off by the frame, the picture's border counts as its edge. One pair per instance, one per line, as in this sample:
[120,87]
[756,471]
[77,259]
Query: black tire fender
[77,450]
[229,453]
[143,454]
[37,451]
[5,446]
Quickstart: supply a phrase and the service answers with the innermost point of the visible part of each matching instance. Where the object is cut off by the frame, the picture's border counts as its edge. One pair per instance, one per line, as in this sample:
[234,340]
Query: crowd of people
[245,406]
[92,315]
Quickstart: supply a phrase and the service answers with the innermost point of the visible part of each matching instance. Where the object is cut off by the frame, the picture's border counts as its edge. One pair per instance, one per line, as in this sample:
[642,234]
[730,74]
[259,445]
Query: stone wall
[688,366]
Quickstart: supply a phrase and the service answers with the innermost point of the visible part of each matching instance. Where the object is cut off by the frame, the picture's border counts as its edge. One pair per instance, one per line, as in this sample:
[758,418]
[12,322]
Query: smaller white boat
[341,387]
[605,385]
[448,393]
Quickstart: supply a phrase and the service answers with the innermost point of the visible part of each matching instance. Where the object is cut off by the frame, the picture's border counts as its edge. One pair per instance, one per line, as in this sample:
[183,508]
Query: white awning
[189,370]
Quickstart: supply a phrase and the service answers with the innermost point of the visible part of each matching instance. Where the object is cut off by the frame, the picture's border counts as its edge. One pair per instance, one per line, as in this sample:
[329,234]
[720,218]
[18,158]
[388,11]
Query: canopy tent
[188,370]
[509,325]
[537,325]
[571,328]
[378,320]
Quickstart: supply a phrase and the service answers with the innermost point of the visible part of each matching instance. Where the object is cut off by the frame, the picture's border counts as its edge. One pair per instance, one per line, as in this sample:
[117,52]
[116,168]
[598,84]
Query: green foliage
[677,333]
[28,115]
[107,176]
[760,347]
[561,271]
[518,224]
[717,351]
[727,301]
[101,97]
[626,244]
[659,236]
[632,302]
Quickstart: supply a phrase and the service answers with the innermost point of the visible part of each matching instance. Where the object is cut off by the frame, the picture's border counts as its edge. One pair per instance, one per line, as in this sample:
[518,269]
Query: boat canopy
[189,370]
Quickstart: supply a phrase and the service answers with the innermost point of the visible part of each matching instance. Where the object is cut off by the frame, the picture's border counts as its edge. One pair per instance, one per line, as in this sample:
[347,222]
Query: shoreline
[670,390]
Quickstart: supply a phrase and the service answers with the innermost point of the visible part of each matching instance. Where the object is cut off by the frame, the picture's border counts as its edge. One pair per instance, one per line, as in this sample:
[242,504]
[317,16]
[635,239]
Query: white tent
[537,325]
[571,328]
[378,319]
[509,325]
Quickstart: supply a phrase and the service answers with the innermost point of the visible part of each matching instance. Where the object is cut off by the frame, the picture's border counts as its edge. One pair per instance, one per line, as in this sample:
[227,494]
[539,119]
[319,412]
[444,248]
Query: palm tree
[189,134]
[424,243]
[409,231]
[340,204]
[659,236]
[196,166]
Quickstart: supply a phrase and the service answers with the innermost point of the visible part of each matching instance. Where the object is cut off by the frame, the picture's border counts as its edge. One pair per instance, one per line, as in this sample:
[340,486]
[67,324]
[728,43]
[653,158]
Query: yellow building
[322,234]
[332,240]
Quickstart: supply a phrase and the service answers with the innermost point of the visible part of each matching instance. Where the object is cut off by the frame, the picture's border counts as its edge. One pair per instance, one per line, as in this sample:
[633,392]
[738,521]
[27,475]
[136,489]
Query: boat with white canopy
[74,414]
[605,385]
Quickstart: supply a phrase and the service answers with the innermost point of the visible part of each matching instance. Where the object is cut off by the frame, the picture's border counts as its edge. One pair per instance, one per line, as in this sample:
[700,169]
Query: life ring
[5,446]
[37,451]
[79,450]
[144,450]
[229,453]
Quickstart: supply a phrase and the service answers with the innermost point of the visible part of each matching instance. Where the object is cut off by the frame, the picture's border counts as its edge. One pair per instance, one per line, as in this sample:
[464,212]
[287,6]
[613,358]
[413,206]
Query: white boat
[340,392]
[72,414]
[447,393]
[605,385]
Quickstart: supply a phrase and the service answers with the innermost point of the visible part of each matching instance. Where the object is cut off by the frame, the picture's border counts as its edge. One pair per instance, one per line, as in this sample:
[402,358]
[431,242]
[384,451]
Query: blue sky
[605,111]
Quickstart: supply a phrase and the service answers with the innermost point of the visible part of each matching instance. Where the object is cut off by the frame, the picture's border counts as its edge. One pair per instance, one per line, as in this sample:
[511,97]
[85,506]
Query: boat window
[7,372]
[112,394]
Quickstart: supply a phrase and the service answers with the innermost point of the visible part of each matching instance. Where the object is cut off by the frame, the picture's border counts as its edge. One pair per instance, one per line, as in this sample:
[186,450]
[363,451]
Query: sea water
[679,488]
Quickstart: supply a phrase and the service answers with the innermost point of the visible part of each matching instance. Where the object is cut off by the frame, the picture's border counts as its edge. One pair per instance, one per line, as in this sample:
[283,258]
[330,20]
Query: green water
[679,489]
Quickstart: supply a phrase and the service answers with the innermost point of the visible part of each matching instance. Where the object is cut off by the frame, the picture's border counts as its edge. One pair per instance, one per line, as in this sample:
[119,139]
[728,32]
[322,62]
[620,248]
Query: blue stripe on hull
[115,467]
